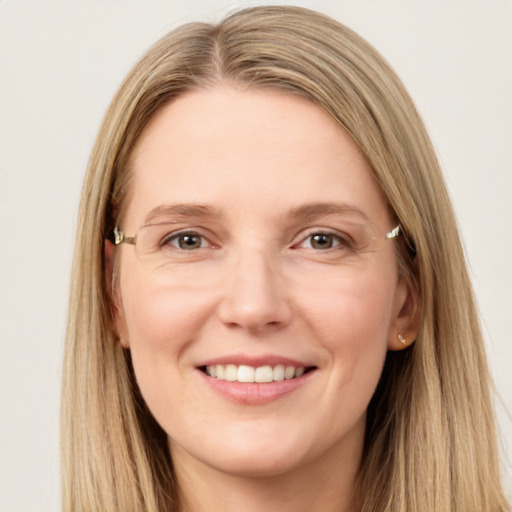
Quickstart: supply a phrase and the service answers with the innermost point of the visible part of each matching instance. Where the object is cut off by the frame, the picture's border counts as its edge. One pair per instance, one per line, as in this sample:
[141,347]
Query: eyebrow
[307,212]
[314,211]
[181,210]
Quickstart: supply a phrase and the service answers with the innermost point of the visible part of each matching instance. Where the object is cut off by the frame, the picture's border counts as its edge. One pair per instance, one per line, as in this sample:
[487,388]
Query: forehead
[248,151]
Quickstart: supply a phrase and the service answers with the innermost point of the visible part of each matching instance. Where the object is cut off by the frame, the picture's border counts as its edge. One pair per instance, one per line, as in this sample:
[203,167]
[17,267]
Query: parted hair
[430,443]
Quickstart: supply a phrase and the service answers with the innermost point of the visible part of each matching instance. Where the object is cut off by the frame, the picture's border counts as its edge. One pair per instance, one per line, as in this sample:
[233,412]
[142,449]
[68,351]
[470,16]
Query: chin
[247,451]
[257,465]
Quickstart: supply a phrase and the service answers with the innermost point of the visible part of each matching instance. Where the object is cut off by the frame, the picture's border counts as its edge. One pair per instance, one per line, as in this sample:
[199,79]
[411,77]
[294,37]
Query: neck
[326,485]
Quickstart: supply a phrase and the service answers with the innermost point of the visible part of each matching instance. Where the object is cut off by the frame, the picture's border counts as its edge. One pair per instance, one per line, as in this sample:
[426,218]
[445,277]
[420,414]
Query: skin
[258,287]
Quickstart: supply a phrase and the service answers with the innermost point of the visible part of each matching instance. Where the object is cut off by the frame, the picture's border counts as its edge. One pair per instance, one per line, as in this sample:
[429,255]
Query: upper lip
[254,361]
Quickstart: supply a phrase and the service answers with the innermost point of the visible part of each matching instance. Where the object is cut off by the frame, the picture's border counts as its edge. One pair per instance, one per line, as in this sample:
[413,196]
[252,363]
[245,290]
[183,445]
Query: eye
[186,241]
[322,241]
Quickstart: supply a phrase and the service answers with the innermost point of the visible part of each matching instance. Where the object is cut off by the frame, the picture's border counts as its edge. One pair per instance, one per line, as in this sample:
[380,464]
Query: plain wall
[60,63]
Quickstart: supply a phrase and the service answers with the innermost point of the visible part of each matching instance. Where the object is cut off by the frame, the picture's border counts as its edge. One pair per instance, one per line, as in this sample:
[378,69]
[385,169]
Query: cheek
[161,317]
[352,323]
[160,323]
[354,314]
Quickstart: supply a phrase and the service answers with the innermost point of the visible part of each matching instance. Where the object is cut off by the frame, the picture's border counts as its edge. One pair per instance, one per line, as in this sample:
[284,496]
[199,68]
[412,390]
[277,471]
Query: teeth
[264,374]
[289,372]
[244,373]
[231,373]
[279,372]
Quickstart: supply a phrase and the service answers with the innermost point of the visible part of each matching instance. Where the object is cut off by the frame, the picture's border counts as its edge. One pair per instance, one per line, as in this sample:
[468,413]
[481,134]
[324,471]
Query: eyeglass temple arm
[394,232]
[117,237]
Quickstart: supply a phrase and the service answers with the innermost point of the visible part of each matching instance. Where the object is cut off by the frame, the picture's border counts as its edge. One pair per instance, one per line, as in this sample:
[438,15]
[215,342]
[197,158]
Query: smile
[256,385]
[261,374]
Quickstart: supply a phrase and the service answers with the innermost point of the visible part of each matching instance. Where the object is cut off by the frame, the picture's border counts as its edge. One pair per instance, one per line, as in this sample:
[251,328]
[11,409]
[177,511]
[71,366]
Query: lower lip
[254,393]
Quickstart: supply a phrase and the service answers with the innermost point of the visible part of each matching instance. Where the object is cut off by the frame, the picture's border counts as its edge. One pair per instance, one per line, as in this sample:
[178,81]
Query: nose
[254,296]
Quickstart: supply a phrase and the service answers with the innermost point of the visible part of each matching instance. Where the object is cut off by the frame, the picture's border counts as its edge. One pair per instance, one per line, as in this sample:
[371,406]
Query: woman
[270,307]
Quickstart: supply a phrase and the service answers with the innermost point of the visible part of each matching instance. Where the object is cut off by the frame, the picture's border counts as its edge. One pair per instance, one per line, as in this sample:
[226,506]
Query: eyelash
[167,240]
[340,240]
[343,240]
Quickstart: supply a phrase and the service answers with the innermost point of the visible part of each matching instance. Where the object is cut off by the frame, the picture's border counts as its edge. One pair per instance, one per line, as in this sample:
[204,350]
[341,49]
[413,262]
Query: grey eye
[188,241]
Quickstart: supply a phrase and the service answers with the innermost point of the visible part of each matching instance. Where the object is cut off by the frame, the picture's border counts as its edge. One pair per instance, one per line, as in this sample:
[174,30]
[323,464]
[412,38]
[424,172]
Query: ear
[112,286]
[405,323]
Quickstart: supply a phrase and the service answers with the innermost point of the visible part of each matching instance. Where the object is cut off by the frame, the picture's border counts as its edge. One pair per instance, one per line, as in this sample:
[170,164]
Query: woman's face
[261,255]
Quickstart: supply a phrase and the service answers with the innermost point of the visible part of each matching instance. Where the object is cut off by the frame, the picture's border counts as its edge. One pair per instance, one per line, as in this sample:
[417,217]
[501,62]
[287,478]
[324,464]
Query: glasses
[161,245]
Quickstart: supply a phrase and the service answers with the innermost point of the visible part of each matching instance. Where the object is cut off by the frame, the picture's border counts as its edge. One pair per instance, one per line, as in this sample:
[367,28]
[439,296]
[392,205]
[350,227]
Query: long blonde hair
[430,442]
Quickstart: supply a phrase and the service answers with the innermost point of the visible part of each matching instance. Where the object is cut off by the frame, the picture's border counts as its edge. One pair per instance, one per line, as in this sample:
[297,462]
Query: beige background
[60,63]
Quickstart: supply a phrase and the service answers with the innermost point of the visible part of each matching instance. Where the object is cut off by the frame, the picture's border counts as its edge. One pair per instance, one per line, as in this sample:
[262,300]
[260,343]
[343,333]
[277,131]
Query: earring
[402,339]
